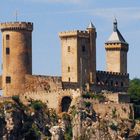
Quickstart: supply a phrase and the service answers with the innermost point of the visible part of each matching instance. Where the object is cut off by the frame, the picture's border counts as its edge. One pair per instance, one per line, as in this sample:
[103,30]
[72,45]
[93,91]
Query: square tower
[79,56]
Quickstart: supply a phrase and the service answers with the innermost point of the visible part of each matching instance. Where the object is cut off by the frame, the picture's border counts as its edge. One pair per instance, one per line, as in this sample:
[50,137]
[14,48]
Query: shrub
[114,127]
[37,105]
[99,97]
[114,113]
[16,98]
[87,104]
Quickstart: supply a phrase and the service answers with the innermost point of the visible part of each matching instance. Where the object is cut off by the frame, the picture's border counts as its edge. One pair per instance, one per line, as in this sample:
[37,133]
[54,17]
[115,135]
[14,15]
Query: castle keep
[78,61]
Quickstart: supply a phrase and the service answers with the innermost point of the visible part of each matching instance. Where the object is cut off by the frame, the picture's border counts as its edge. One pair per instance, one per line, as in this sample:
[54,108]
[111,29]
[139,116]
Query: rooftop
[116,36]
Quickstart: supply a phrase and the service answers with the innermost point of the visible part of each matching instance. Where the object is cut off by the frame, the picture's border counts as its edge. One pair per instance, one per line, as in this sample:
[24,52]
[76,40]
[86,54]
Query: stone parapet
[16,26]
[77,33]
[112,73]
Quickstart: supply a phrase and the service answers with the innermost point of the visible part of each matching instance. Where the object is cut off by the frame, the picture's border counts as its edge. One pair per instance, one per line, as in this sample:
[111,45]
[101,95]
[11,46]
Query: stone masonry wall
[122,111]
[112,81]
[52,99]
[36,83]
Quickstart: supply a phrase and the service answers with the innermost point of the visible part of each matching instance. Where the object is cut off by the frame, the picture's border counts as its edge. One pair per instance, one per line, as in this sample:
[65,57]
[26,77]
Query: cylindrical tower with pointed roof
[16,55]
[116,51]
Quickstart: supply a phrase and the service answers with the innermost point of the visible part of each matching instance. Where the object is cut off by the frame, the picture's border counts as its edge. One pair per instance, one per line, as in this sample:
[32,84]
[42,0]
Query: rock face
[91,125]
[36,121]
[57,133]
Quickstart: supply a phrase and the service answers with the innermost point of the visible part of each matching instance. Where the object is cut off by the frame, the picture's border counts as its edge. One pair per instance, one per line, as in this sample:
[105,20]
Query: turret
[116,51]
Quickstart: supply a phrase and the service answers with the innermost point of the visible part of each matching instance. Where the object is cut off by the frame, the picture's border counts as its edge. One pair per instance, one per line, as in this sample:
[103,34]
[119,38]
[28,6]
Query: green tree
[134,90]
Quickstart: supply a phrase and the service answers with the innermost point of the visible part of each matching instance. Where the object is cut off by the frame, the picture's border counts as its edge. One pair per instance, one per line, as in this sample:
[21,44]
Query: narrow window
[69,79]
[7,51]
[68,69]
[68,48]
[111,83]
[8,79]
[83,49]
[122,84]
[7,37]
[116,83]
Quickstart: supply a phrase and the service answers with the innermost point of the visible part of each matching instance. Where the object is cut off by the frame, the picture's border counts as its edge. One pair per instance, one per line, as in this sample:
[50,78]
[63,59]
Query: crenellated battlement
[78,33]
[16,26]
[44,93]
[112,73]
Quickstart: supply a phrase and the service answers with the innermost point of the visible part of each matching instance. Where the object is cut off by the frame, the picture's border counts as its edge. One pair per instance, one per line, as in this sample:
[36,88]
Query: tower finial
[90,26]
[115,25]
[16,15]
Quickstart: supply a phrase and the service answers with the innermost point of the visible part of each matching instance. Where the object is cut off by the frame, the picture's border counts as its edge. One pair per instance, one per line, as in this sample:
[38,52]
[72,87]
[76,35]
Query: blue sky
[53,16]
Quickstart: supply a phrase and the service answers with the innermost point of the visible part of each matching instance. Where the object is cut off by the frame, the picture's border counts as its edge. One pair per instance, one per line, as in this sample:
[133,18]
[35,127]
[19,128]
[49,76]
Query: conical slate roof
[116,36]
[90,26]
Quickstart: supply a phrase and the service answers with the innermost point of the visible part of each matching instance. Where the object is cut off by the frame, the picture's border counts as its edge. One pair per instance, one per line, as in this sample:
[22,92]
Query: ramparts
[74,33]
[112,81]
[52,99]
[35,83]
[17,26]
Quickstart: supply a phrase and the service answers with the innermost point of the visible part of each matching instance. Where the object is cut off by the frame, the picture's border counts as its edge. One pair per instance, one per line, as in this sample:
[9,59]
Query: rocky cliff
[36,121]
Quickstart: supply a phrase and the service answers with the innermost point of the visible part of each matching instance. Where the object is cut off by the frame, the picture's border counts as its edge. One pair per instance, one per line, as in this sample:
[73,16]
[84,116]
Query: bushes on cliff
[134,90]
[99,97]
[36,105]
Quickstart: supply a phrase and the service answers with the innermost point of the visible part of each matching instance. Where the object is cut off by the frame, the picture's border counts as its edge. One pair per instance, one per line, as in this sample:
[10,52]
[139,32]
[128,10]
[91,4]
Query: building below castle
[78,62]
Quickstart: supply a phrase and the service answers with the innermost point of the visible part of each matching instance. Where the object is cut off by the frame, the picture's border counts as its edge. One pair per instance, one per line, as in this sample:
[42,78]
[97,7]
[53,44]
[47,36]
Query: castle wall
[112,81]
[123,111]
[52,99]
[36,83]
[118,97]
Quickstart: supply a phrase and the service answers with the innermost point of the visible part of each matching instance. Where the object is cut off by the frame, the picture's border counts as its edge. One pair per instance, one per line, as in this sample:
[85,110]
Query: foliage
[66,116]
[134,90]
[114,127]
[36,105]
[53,116]
[114,113]
[68,133]
[16,98]
[87,104]
[33,133]
[73,111]
[99,97]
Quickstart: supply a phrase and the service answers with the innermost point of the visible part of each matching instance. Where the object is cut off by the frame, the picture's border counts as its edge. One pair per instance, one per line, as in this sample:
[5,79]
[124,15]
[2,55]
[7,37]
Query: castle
[78,61]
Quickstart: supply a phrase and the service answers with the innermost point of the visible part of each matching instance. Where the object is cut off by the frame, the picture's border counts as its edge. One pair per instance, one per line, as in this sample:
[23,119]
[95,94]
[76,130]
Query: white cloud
[123,13]
[57,1]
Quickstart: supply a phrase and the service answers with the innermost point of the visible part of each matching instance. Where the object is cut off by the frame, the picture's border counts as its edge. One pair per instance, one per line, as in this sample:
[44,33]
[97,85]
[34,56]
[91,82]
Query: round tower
[16,55]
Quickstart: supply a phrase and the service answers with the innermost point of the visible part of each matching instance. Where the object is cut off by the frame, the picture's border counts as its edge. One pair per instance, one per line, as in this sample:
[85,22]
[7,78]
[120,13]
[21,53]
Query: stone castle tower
[79,56]
[16,55]
[116,51]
